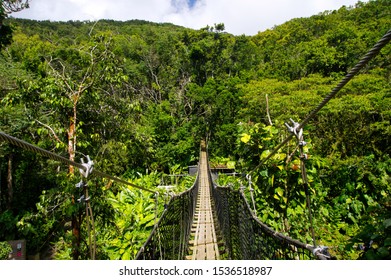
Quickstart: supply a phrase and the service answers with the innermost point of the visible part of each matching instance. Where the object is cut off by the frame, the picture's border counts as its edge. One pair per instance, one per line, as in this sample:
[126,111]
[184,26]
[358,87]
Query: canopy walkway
[204,244]
[209,222]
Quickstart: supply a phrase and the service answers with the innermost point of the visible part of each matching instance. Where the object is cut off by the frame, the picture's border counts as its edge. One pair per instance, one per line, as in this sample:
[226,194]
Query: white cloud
[239,16]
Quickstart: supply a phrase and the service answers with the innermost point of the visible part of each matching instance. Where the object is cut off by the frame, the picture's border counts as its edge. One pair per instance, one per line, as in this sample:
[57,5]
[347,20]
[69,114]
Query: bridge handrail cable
[32,148]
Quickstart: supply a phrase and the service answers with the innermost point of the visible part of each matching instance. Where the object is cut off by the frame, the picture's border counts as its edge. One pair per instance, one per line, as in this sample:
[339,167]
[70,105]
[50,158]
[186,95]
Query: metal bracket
[297,132]
[82,199]
[322,250]
[248,177]
[89,167]
[294,129]
[81,184]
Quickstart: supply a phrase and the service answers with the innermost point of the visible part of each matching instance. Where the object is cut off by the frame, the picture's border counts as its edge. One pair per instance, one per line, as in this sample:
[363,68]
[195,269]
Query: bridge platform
[204,242]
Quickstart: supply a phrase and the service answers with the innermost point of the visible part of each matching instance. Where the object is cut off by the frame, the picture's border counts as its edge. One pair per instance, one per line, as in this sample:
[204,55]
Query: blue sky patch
[191,3]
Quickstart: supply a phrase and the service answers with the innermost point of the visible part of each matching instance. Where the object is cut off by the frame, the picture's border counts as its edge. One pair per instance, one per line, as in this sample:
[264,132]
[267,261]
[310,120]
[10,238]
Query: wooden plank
[210,252]
[201,249]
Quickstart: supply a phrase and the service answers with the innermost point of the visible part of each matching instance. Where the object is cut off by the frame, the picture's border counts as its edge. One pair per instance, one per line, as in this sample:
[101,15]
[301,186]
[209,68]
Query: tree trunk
[72,139]
[76,235]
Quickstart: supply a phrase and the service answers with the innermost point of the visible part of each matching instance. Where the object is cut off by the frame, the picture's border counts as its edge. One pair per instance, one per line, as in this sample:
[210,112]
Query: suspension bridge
[209,222]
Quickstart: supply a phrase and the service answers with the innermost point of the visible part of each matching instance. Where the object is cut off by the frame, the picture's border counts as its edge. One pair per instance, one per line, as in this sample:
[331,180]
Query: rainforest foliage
[139,96]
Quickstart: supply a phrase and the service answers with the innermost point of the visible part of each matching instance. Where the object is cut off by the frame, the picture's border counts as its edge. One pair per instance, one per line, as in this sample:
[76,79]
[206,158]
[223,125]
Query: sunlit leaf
[279,191]
[245,138]
[265,154]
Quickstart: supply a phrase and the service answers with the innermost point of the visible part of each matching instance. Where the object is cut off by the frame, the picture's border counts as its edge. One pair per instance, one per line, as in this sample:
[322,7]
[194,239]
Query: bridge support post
[297,131]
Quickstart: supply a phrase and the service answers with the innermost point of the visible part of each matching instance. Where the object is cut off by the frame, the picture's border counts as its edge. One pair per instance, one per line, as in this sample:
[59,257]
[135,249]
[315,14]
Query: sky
[239,16]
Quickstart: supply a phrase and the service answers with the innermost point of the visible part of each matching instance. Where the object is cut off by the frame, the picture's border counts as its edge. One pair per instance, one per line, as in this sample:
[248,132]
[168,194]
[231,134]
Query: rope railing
[247,238]
[169,238]
[83,167]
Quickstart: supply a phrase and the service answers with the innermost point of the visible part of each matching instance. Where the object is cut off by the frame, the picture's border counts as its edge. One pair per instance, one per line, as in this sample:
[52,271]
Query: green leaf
[231,164]
[370,254]
[279,156]
[265,153]
[245,138]
[383,252]
[271,180]
[324,211]
[279,191]
[126,255]
[387,241]
[147,219]
[263,173]
[387,223]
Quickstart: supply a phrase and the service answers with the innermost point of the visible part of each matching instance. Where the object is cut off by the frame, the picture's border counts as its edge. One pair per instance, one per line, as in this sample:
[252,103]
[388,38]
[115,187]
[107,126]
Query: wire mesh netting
[170,237]
[247,238]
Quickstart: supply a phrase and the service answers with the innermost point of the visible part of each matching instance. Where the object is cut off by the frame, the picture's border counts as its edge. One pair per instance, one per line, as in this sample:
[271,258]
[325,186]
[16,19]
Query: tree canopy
[139,96]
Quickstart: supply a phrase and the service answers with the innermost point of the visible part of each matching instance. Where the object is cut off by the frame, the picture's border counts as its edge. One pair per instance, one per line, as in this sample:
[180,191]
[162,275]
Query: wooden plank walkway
[205,243]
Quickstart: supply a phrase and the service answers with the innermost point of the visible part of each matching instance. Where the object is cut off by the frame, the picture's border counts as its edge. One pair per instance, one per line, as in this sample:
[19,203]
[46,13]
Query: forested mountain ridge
[138,96]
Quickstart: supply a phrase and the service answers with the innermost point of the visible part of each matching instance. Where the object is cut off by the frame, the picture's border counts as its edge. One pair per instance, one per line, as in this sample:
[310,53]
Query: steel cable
[32,148]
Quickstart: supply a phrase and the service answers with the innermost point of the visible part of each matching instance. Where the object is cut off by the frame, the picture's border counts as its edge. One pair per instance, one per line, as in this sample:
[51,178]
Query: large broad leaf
[383,253]
[279,191]
[370,254]
[279,156]
[387,242]
[148,220]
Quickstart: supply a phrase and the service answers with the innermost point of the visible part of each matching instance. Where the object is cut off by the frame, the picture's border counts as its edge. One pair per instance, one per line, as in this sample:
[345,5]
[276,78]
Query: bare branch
[267,110]
[51,130]
[62,76]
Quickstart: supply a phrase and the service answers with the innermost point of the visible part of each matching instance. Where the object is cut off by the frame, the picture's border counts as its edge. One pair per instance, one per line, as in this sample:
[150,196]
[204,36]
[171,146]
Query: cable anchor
[294,129]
